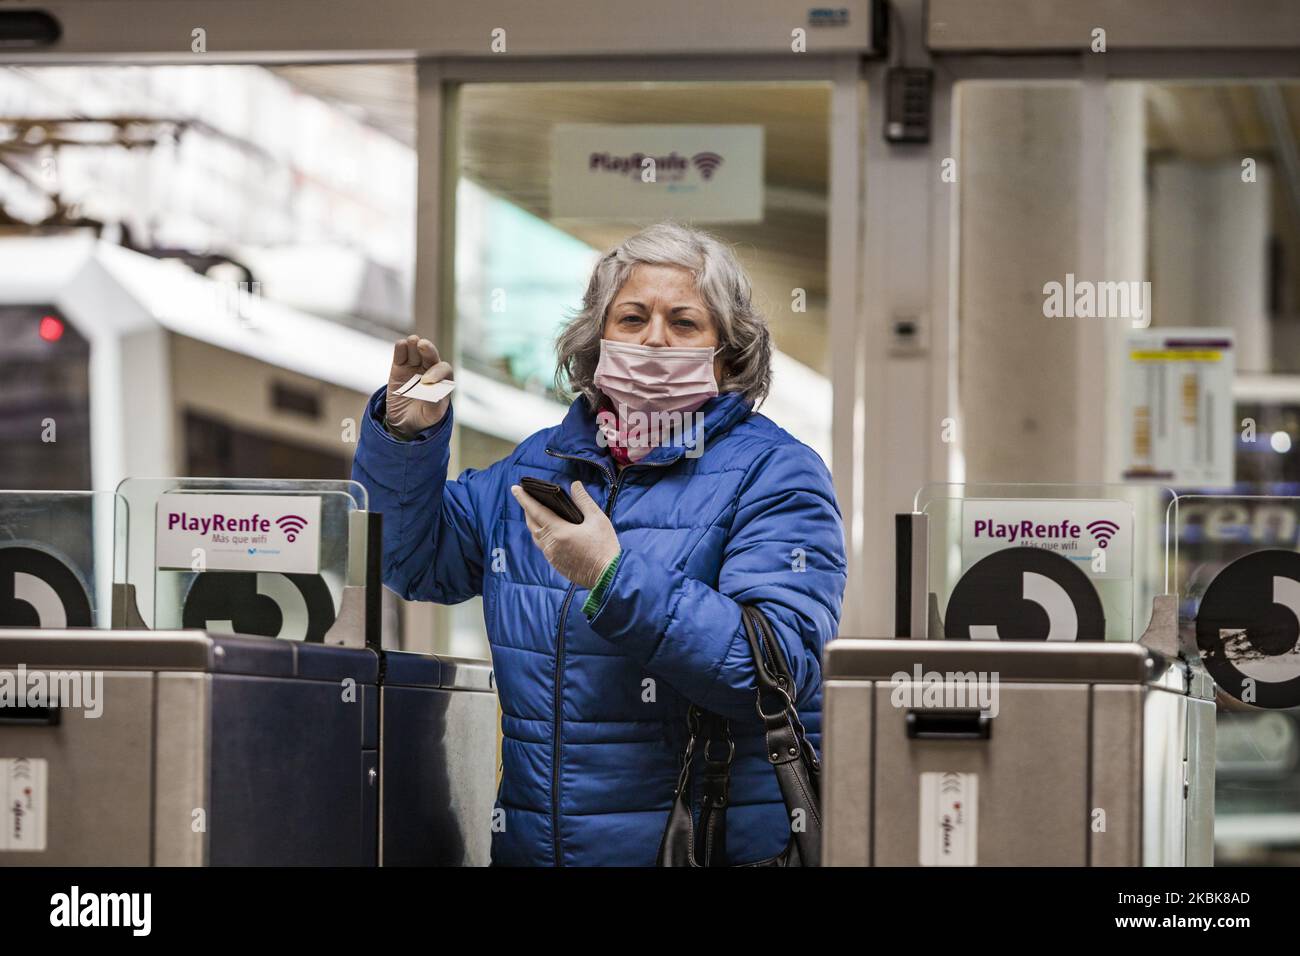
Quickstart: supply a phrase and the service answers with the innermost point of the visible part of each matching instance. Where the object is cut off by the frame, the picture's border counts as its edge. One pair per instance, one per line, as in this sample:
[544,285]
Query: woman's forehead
[660,281]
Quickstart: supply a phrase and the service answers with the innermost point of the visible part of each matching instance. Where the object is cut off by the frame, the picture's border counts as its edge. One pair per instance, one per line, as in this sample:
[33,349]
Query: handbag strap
[788,750]
[718,751]
[775,678]
[679,845]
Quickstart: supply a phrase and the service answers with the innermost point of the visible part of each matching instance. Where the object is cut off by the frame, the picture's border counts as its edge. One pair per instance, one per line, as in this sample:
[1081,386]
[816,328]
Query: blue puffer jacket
[594,712]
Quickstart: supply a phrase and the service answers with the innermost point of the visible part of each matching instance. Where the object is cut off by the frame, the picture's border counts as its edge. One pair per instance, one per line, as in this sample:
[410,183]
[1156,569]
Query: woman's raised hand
[415,356]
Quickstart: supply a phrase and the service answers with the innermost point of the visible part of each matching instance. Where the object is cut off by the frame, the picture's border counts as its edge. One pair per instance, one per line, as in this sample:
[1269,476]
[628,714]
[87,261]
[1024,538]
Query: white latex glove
[580,552]
[415,356]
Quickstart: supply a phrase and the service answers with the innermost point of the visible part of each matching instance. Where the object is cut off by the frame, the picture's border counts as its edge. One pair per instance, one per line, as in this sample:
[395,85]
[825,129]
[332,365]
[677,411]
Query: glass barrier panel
[1237,571]
[1236,565]
[56,557]
[1113,535]
[249,556]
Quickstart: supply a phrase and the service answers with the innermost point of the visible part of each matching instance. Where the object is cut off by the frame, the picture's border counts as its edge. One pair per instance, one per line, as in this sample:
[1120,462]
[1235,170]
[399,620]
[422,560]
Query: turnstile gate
[184,748]
[966,753]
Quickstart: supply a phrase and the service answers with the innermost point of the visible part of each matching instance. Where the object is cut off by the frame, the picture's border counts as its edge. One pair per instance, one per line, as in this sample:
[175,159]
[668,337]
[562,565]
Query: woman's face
[659,306]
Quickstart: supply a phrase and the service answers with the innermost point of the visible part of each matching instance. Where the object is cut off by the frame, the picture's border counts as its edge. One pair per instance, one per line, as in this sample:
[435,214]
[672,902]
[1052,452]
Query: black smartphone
[553,496]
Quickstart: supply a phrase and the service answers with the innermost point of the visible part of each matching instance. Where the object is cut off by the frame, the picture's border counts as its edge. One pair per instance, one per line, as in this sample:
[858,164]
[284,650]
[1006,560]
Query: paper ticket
[429,393]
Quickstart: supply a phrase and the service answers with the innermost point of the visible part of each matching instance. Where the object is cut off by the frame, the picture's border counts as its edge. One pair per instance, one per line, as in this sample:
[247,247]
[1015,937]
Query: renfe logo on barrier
[238,533]
[1082,531]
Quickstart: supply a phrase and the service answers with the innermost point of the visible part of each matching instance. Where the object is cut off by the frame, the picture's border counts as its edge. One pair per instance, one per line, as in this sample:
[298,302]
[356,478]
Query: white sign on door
[698,172]
[239,532]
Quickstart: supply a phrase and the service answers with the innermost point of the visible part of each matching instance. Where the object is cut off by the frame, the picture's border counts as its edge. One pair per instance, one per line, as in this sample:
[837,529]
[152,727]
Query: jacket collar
[576,436]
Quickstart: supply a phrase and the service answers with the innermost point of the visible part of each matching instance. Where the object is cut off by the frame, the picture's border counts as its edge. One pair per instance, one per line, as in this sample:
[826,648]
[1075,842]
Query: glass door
[551,176]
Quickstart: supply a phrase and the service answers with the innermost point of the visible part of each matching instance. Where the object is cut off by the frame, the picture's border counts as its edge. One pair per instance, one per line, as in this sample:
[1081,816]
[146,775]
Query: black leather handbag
[798,771]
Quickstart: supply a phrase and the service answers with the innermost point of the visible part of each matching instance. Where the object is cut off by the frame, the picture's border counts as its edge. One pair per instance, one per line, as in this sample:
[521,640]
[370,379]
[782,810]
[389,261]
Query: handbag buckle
[731,748]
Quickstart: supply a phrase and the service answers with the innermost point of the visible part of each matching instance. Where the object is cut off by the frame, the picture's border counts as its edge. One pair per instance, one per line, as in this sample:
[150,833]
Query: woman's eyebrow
[641,305]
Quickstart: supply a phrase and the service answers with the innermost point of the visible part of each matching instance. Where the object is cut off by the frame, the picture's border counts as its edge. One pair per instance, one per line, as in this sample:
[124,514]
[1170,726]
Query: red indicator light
[51,328]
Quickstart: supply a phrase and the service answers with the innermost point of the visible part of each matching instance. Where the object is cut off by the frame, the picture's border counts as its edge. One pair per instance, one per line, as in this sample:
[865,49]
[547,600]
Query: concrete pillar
[1125,253]
[1048,189]
[1209,255]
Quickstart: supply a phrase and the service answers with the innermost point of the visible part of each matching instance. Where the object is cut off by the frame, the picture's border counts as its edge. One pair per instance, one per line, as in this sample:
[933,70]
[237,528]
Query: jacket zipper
[615,481]
[559,670]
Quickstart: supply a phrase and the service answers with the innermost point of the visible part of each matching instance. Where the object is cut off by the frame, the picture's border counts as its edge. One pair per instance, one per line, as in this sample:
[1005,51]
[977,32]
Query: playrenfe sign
[696,171]
[238,533]
[1073,529]
[1026,531]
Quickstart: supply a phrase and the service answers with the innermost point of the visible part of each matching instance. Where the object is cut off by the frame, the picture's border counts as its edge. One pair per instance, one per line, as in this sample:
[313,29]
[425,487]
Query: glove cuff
[597,595]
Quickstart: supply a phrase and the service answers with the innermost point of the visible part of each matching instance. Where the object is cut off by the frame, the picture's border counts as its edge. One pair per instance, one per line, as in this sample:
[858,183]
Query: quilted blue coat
[594,711]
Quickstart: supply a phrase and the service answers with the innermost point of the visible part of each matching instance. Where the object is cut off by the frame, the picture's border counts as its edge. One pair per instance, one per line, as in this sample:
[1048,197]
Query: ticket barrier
[181,748]
[438,746]
[230,717]
[1096,754]
[1022,715]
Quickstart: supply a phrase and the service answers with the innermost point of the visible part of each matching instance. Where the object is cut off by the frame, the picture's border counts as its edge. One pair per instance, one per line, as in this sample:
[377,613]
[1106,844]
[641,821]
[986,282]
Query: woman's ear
[721,367]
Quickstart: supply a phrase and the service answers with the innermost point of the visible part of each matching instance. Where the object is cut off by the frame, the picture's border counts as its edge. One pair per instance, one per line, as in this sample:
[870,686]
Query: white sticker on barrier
[949,819]
[238,532]
[23,789]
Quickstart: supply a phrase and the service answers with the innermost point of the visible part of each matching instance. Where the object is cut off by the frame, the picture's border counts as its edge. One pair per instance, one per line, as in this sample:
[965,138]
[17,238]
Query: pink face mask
[643,378]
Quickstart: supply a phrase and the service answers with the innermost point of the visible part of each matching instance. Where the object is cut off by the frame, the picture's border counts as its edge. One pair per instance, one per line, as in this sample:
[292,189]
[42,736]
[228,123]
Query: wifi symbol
[1103,531]
[706,163]
[291,525]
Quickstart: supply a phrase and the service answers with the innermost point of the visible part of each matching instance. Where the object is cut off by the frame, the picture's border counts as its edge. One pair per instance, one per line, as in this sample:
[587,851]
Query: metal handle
[949,725]
[30,716]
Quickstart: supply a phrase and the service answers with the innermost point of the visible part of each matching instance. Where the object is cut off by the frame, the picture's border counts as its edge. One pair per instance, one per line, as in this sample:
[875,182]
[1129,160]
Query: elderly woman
[604,632]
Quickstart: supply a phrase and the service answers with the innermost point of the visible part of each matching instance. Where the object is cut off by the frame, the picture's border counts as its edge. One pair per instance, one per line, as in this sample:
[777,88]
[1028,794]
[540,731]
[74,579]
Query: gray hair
[723,285]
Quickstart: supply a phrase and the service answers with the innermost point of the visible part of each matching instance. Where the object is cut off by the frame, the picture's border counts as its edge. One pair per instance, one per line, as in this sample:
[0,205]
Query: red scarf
[624,448]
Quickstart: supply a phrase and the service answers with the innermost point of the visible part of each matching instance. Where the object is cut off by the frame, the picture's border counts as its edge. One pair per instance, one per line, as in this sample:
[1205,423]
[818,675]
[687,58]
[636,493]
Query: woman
[604,632]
